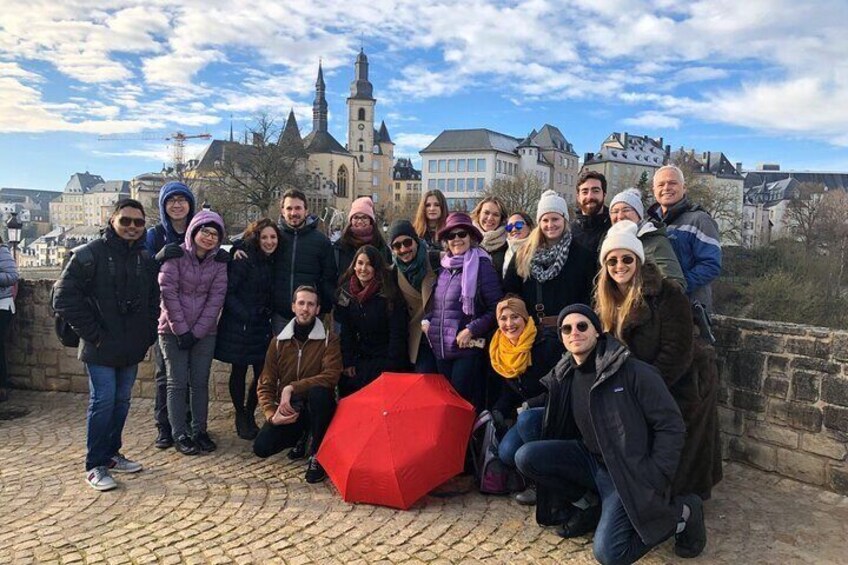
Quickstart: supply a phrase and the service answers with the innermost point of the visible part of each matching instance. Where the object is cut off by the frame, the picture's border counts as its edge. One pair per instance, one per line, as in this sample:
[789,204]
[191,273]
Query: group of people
[578,336]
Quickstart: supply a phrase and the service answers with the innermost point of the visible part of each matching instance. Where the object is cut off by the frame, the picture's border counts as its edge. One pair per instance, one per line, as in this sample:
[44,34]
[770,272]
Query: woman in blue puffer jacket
[462,308]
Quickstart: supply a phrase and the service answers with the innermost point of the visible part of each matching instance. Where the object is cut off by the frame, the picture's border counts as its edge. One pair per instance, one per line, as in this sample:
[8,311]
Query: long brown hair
[613,306]
[254,230]
[381,270]
[420,222]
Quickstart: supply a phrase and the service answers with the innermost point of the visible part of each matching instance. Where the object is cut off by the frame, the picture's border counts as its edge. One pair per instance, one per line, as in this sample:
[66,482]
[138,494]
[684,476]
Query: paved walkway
[230,507]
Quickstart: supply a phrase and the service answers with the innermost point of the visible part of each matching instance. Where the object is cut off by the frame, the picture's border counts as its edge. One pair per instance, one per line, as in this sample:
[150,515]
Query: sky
[760,80]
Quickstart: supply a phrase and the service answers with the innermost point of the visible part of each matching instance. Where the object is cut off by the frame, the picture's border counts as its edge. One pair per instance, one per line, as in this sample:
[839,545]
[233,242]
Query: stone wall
[783,405]
[784,399]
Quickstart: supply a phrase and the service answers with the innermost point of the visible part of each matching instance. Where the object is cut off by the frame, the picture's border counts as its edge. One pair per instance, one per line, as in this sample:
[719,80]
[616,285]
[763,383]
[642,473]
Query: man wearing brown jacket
[297,386]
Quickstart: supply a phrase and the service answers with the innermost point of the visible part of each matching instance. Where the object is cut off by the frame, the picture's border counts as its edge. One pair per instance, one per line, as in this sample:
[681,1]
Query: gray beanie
[632,198]
[551,201]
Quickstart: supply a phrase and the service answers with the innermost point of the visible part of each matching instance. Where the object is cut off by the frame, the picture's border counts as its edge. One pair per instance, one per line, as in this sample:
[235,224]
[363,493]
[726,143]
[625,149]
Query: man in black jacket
[109,296]
[592,219]
[304,257]
[611,441]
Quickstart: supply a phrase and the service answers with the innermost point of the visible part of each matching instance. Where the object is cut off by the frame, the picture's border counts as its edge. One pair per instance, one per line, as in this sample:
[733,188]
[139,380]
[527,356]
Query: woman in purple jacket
[462,307]
[194,285]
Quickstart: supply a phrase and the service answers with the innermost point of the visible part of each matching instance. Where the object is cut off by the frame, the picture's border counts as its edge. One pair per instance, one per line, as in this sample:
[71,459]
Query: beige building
[623,158]
[87,200]
[145,189]
[406,189]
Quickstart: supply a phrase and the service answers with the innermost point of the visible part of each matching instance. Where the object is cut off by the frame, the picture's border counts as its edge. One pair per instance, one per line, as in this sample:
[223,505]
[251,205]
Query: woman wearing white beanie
[551,271]
[651,315]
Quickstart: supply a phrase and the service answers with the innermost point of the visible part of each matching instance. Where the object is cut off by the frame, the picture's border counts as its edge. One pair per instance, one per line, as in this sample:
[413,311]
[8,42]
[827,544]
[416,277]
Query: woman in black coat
[373,321]
[244,329]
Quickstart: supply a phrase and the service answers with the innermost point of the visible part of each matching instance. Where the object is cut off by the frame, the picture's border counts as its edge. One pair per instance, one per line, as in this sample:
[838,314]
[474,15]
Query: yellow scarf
[511,361]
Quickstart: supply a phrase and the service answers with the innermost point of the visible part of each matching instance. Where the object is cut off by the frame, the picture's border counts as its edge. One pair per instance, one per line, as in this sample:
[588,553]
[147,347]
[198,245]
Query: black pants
[320,404]
[5,320]
[238,376]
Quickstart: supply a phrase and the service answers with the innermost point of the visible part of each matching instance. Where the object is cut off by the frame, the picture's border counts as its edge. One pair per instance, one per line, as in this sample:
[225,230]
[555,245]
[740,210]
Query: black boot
[242,429]
[164,439]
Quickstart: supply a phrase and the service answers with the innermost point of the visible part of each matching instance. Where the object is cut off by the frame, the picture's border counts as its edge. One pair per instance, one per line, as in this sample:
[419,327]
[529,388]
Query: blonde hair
[475,213]
[525,253]
[420,223]
[614,308]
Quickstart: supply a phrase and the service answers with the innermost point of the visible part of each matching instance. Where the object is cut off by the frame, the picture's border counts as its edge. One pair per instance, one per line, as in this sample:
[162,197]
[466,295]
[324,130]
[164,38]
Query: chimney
[738,166]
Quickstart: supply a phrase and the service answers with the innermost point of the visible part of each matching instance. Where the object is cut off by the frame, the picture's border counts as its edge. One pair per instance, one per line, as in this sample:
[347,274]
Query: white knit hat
[632,198]
[622,235]
[551,201]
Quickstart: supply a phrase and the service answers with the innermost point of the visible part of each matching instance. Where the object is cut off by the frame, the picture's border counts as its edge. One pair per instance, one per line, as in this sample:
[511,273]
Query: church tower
[360,128]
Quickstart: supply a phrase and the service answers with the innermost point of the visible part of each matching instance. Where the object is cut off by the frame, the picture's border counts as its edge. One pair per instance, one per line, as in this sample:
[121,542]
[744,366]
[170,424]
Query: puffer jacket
[589,231]
[639,429]
[193,291]
[244,330]
[8,272]
[304,257]
[164,233]
[447,318]
[696,242]
[110,299]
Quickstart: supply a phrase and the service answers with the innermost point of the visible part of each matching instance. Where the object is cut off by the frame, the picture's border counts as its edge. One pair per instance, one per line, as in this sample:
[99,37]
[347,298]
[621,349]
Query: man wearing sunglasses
[610,444]
[109,296]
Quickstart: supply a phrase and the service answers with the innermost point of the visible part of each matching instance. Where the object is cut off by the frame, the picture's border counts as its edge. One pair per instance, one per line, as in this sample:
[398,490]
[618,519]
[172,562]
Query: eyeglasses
[177,200]
[127,222]
[517,226]
[398,245]
[581,327]
[209,232]
[360,218]
[627,260]
[461,234]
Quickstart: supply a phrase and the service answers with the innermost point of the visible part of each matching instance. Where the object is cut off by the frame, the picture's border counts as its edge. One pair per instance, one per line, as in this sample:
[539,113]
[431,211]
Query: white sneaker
[120,464]
[100,479]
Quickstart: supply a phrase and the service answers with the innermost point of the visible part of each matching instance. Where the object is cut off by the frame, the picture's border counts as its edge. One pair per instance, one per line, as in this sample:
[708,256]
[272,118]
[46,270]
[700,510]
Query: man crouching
[297,386]
[610,446]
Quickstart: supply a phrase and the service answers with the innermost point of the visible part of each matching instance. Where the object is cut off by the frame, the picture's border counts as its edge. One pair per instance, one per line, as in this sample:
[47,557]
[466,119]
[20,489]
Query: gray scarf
[547,262]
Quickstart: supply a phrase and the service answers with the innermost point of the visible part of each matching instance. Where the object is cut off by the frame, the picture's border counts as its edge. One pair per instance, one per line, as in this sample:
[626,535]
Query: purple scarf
[469,262]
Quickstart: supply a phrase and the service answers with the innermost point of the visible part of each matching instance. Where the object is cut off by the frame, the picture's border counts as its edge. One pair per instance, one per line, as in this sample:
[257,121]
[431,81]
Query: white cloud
[654,120]
[409,144]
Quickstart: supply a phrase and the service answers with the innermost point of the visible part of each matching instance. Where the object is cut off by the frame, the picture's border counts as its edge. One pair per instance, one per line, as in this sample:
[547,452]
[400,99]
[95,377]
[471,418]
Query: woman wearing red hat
[462,307]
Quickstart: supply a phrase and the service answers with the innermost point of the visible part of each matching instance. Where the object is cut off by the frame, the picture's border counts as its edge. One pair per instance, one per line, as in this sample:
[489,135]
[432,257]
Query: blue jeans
[110,389]
[528,427]
[568,467]
[465,376]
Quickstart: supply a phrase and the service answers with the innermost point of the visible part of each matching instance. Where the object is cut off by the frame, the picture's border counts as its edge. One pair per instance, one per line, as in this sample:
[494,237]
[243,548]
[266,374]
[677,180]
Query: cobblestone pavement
[231,507]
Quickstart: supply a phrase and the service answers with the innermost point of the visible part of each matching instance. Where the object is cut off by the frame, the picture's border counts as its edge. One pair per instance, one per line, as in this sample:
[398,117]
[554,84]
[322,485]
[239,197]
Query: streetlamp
[14,227]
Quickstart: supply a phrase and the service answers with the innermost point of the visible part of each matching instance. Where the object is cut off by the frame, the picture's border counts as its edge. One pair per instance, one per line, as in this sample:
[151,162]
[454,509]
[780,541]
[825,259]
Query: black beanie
[402,227]
[585,311]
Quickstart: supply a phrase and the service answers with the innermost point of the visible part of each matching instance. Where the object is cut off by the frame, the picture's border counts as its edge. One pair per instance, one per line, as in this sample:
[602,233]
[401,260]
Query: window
[481,165]
[341,182]
[361,114]
[451,185]
[431,184]
[375,180]
[361,159]
[500,166]
[472,165]
[431,166]
[361,147]
[443,167]
[397,186]
[460,185]
[397,197]
[460,165]
[480,184]
[441,184]
[451,165]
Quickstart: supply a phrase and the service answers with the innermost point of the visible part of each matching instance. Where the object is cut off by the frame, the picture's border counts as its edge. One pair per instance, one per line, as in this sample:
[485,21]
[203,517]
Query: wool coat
[639,429]
[373,338]
[244,329]
[416,300]
[661,332]
[447,318]
[193,291]
[108,294]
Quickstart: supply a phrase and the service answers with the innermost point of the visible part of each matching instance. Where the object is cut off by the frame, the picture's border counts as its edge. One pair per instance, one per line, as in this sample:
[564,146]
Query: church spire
[319,106]
[361,88]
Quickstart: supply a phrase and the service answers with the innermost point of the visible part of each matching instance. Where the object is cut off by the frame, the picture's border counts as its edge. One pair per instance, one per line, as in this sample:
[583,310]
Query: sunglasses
[581,327]
[518,226]
[127,222]
[462,234]
[398,245]
[627,260]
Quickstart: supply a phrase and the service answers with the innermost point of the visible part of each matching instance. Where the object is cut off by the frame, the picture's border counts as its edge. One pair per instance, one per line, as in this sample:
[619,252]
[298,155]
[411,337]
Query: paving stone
[230,507]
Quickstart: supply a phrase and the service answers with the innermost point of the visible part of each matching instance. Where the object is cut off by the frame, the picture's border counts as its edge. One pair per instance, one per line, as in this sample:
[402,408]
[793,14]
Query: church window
[361,159]
[341,182]
[361,115]
[361,147]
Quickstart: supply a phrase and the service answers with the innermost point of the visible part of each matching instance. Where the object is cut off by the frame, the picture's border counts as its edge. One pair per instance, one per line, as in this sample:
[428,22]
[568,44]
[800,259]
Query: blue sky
[762,81]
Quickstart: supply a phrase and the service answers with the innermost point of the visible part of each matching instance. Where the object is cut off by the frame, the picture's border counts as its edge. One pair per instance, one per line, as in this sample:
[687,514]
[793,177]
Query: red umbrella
[397,439]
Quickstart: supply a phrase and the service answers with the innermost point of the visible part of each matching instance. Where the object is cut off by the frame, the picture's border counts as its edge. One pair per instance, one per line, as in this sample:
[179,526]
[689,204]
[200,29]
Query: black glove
[186,341]
[170,251]
[222,256]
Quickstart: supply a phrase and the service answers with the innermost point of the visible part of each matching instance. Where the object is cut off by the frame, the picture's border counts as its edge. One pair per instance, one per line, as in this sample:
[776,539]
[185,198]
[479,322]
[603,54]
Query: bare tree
[519,194]
[248,180]
[806,214]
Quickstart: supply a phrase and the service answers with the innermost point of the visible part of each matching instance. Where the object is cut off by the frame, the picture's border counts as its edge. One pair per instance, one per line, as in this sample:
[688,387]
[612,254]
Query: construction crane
[177,140]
